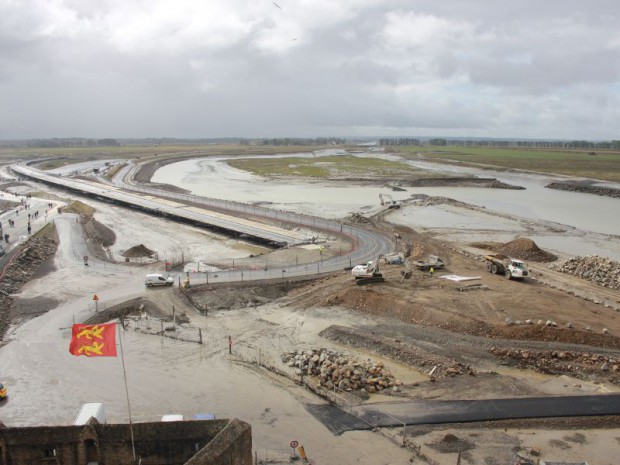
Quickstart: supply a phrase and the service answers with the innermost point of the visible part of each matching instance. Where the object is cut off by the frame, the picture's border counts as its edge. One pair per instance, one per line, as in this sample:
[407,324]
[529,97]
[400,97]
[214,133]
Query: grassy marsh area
[603,165]
[341,166]
[67,156]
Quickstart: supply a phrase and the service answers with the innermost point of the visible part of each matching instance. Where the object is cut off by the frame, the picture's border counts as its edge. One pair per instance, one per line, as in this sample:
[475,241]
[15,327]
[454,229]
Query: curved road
[367,245]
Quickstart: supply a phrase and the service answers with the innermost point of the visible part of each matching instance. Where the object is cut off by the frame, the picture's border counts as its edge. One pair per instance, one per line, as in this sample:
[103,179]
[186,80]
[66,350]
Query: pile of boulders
[356,217]
[598,270]
[585,186]
[335,370]
[22,266]
[26,263]
[582,365]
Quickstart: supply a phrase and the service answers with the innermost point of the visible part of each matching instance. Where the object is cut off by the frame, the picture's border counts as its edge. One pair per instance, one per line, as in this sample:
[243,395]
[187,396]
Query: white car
[158,279]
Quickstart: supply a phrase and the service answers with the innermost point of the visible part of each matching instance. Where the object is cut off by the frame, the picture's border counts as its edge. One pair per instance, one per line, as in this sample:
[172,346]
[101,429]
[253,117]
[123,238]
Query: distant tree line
[401,141]
[304,141]
[536,144]
[71,142]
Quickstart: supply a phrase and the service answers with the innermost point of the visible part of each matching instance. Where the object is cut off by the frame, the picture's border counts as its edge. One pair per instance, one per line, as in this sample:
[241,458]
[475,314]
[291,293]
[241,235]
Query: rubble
[597,270]
[20,269]
[335,370]
[582,365]
[357,218]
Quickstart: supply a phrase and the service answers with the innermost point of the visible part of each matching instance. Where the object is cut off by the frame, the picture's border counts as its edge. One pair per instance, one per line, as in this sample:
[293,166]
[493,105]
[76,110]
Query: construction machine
[388,201]
[511,268]
[433,262]
[368,273]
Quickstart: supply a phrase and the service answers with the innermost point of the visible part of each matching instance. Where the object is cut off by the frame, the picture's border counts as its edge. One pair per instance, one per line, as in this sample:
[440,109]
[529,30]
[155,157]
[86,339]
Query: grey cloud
[336,77]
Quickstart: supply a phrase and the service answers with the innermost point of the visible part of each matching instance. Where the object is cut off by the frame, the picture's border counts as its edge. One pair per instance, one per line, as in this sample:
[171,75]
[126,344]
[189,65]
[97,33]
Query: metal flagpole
[133,445]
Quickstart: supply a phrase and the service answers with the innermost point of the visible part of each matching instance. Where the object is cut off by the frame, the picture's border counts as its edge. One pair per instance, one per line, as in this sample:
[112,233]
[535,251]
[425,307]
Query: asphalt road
[370,416]
[367,245]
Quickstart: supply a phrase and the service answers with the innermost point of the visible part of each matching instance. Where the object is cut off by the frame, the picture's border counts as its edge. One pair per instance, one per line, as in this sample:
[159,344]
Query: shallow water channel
[574,223]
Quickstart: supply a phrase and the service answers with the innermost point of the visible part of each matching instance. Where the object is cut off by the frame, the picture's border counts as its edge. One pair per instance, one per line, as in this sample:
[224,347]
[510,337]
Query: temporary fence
[273,456]
[147,324]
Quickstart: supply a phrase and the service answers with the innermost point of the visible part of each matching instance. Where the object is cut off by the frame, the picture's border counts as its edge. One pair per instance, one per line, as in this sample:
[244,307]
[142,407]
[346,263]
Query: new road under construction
[413,367]
[250,222]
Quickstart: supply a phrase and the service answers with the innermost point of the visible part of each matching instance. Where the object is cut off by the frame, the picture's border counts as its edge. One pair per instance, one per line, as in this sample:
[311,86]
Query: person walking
[431,271]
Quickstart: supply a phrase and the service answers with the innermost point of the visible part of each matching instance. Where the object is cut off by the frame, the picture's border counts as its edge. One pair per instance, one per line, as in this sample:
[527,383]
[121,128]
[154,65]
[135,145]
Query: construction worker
[431,271]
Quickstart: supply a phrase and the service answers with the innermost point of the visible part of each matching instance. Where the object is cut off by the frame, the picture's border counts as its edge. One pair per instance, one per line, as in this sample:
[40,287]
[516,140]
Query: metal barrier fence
[275,456]
[158,327]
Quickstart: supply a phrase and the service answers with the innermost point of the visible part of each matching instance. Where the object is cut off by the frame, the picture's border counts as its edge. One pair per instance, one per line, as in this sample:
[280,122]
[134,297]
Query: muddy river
[568,223]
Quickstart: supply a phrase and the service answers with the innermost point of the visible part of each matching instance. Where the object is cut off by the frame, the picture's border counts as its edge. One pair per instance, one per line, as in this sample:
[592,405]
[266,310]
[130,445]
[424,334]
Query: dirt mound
[138,251]
[451,444]
[526,249]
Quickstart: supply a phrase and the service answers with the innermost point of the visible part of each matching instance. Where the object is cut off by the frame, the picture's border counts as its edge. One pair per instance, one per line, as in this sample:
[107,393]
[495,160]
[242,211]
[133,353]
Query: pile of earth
[582,365]
[526,249]
[451,444]
[138,251]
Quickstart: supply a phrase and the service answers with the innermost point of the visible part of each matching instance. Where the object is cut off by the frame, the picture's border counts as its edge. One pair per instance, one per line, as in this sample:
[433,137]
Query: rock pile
[583,365]
[598,270]
[526,249]
[336,370]
[20,269]
[585,186]
[357,218]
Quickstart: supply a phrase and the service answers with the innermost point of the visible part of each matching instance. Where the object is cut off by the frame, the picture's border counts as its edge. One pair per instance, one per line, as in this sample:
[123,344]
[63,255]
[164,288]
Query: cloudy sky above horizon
[308,68]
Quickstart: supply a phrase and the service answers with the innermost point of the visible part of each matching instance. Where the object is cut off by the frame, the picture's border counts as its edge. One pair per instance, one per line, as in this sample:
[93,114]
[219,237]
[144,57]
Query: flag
[94,340]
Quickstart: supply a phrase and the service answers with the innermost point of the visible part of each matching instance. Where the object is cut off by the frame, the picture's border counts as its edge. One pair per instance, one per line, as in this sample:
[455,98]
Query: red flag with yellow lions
[94,340]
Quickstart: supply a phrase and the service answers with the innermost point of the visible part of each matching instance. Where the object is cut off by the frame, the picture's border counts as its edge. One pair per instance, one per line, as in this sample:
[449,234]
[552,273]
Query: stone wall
[196,442]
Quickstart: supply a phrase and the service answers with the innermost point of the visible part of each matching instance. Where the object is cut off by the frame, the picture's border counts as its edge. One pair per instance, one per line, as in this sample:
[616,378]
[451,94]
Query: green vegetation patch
[79,208]
[113,170]
[47,231]
[588,164]
[324,167]
[45,195]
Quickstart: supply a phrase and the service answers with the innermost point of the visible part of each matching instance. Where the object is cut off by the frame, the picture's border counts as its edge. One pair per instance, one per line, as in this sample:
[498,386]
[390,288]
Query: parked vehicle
[158,279]
[433,262]
[511,268]
[91,410]
[172,417]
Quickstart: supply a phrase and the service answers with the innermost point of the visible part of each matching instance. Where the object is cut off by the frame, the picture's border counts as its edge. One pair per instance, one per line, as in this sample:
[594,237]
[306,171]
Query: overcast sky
[306,68]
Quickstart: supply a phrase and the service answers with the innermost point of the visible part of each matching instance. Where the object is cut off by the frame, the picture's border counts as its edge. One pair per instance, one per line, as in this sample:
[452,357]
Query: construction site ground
[419,324]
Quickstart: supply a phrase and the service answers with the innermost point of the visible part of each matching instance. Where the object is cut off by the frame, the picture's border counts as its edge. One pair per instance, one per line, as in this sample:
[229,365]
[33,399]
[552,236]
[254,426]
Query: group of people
[31,216]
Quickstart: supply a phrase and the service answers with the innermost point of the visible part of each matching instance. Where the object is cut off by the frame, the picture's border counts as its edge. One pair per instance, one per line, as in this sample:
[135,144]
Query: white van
[158,279]
[172,417]
[88,411]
